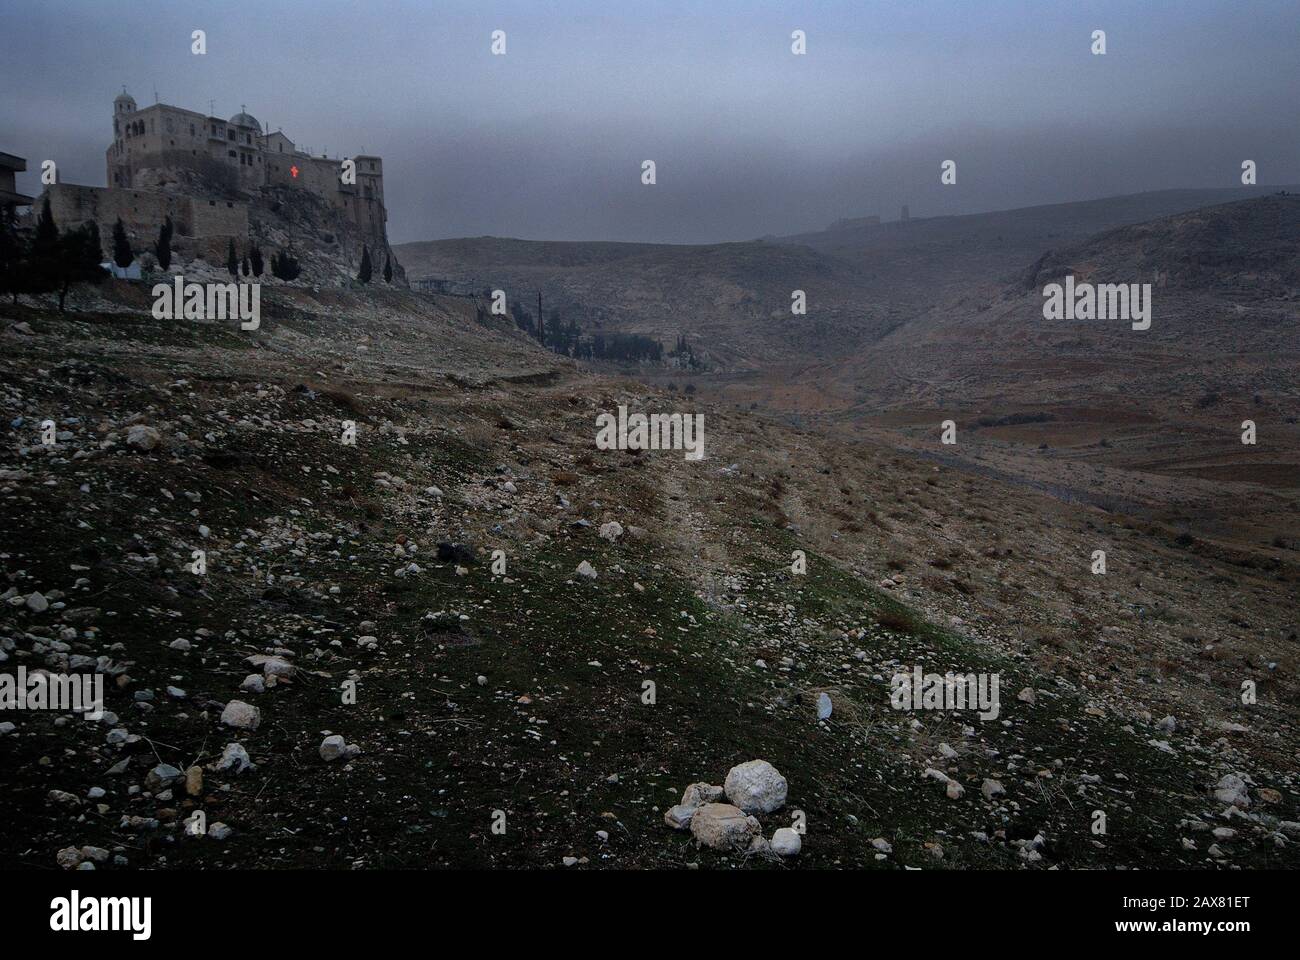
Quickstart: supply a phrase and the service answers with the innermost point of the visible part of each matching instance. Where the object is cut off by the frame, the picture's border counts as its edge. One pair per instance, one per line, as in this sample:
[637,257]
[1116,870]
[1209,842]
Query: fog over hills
[734,299]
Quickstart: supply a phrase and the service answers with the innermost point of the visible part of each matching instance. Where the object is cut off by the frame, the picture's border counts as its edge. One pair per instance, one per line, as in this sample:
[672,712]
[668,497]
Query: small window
[230,153]
[212,203]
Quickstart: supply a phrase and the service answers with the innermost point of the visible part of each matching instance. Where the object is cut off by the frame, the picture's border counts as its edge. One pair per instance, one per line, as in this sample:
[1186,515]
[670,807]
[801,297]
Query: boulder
[756,787]
[723,827]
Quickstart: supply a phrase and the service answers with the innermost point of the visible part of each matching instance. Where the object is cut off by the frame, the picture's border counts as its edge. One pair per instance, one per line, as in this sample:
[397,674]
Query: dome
[242,119]
[124,100]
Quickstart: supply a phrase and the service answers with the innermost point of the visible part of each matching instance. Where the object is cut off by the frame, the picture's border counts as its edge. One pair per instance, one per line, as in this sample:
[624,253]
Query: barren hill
[734,299]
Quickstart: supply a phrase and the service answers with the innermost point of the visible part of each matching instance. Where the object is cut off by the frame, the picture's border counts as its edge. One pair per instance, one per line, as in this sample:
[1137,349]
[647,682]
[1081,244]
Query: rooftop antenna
[155,93]
[212,110]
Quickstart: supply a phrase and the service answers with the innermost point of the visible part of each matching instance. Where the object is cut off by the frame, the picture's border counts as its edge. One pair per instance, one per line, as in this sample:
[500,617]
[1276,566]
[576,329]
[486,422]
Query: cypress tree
[163,249]
[364,273]
[79,259]
[11,252]
[122,254]
[388,269]
[40,270]
[232,259]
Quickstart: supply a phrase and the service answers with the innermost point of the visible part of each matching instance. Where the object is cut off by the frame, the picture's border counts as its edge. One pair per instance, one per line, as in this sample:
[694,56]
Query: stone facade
[142,212]
[236,156]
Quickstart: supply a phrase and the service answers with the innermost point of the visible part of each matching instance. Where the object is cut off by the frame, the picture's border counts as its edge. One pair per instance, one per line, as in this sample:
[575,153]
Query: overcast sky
[547,141]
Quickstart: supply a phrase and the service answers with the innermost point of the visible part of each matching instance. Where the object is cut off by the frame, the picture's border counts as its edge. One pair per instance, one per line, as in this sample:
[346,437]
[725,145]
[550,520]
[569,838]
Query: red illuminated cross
[294,171]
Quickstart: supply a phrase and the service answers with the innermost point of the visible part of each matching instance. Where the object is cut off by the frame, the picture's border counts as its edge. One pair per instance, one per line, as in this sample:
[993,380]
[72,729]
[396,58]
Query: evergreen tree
[39,271]
[255,259]
[12,251]
[79,261]
[284,266]
[163,249]
[232,259]
[364,273]
[122,254]
[243,266]
[388,269]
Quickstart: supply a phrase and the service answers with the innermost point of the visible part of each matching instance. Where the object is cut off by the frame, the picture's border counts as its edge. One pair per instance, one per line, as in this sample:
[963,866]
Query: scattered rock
[1232,790]
[335,748]
[143,438]
[241,715]
[234,758]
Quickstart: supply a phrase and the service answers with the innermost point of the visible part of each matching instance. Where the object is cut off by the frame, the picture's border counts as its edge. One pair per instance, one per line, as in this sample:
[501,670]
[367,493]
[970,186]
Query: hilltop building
[236,155]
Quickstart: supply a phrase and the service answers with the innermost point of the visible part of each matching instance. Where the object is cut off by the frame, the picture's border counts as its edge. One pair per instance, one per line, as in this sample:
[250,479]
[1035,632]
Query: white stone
[991,789]
[786,842]
[755,787]
[241,715]
[235,757]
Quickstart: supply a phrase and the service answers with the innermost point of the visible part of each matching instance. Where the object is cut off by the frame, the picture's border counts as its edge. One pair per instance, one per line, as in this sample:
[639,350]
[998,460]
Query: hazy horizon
[546,142]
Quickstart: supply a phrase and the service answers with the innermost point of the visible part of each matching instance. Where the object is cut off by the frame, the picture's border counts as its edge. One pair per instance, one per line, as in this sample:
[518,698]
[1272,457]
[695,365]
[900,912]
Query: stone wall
[143,213]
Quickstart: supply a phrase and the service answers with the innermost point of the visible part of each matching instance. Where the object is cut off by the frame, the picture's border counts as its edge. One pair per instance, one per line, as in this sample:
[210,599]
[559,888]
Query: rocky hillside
[732,300]
[1246,250]
[355,681]
[326,244]
[862,281]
